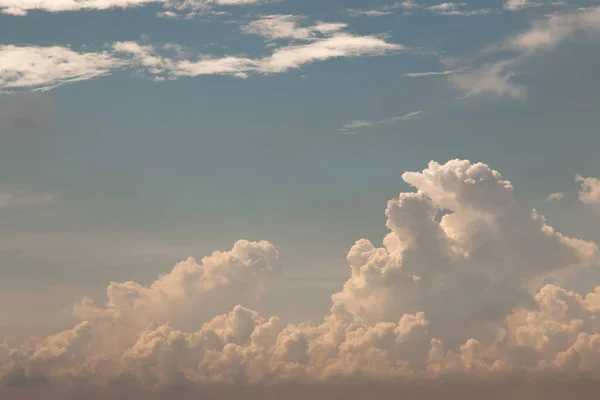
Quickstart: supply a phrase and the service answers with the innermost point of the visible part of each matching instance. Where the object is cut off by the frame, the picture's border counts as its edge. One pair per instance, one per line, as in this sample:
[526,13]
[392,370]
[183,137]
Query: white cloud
[282,59]
[368,13]
[445,7]
[492,78]
[451,296]
[407,5]
[455,9]
[338,46]
[428,73]
[363,123]
[513,5]
[274,27]
[516,5]
[555,196]
[42,68]
[589,192]
[22,7]
[546,34]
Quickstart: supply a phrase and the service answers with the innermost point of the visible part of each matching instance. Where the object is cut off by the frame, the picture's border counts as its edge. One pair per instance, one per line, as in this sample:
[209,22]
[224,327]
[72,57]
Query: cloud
[37,68]
[445,7]
[43,68]
[454,9]
[338,46]
[546,34]
[368,13]
[458,296]
[22,7]
[516,5]
[220,281]
[363,123]
[428,73]
[492,78]
[282,59]
[589,192]
[274,27]
[21,200]
[513,5]
[555,196]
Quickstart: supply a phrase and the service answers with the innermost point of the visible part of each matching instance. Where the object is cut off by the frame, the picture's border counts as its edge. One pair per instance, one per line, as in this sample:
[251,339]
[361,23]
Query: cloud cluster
[44,68]
[456,290]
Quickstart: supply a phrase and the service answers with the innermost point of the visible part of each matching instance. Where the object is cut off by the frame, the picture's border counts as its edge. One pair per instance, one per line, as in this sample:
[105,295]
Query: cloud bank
[456,291]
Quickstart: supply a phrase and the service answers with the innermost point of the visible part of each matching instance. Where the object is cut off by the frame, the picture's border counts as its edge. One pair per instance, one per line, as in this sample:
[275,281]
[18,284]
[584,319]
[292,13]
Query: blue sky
[135,135]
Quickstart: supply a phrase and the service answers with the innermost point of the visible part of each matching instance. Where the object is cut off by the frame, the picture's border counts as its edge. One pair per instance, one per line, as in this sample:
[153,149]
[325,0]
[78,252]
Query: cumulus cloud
[455,291]
[555,196]
[589,192]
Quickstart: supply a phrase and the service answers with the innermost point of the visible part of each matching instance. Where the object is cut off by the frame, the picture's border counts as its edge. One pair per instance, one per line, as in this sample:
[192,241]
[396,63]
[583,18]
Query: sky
[260,191]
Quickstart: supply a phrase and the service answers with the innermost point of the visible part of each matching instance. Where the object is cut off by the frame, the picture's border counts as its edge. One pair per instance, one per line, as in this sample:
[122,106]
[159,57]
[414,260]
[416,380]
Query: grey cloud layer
[459,295]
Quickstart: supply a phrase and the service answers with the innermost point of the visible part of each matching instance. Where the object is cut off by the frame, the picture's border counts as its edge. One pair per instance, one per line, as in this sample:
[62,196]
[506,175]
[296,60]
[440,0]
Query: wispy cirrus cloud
[428,73]
[407,7]
[491,78]
[352,126]
[31,68]
[544,35]
[44,68]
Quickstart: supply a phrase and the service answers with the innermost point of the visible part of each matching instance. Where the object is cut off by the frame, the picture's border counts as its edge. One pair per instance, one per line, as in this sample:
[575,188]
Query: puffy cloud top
[455,290]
